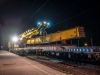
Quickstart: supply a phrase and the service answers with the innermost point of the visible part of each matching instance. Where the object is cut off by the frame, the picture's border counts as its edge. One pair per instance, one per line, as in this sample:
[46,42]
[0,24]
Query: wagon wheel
[97,56]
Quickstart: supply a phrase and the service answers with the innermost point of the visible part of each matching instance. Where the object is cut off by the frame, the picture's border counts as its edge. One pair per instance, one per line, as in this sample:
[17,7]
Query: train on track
[62,52]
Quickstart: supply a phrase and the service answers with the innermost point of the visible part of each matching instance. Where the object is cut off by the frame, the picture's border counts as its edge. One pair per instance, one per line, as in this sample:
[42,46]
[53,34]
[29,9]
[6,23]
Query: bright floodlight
[44,22]
[39,23]
[14,39]
[48,23]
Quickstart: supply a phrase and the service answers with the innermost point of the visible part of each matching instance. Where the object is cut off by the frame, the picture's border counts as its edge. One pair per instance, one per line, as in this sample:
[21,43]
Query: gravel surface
[68,68]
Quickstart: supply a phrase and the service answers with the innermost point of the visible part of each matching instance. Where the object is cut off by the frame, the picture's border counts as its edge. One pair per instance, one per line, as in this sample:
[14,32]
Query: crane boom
[34,31]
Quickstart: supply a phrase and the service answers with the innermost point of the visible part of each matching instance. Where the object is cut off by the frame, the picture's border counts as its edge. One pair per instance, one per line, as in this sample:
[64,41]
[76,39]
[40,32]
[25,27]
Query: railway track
[68,67]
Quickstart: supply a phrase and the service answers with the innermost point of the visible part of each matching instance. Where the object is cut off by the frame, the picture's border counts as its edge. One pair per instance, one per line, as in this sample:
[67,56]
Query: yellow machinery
[76,32]
[26,37]
[34,31]
[28,34]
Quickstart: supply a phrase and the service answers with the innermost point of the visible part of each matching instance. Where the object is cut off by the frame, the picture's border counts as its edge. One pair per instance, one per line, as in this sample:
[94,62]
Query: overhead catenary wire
[29,9]
[20,17]
[66,9]
[36,12]
[26,13]
[55,15]
[91,22]
[63,11]
[76,15]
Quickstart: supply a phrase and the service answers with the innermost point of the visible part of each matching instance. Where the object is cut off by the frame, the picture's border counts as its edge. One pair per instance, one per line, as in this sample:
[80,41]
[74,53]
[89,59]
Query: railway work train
[63,52]
[56,51]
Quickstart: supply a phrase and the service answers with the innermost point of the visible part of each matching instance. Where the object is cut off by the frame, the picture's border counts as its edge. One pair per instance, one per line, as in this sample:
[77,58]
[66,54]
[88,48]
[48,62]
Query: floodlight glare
[48,23]
[44,22]
[14,39]
[21,38]
[38,22]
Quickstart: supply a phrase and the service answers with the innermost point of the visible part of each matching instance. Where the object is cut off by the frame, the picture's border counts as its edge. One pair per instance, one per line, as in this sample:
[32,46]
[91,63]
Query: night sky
[17,16]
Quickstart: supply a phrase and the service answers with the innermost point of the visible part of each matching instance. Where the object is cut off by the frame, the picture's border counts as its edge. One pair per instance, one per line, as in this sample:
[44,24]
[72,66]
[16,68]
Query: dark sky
[17,16]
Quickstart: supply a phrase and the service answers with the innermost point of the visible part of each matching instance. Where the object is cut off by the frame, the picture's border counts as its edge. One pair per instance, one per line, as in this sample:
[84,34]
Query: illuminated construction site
[72,33]
[55,50]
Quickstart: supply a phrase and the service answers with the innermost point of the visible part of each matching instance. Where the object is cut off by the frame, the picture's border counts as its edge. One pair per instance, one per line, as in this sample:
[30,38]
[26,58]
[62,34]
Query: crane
[35,31]
[40,29]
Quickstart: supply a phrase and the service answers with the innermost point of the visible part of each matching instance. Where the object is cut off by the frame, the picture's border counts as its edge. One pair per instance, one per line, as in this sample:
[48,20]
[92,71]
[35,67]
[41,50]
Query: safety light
[85,44]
